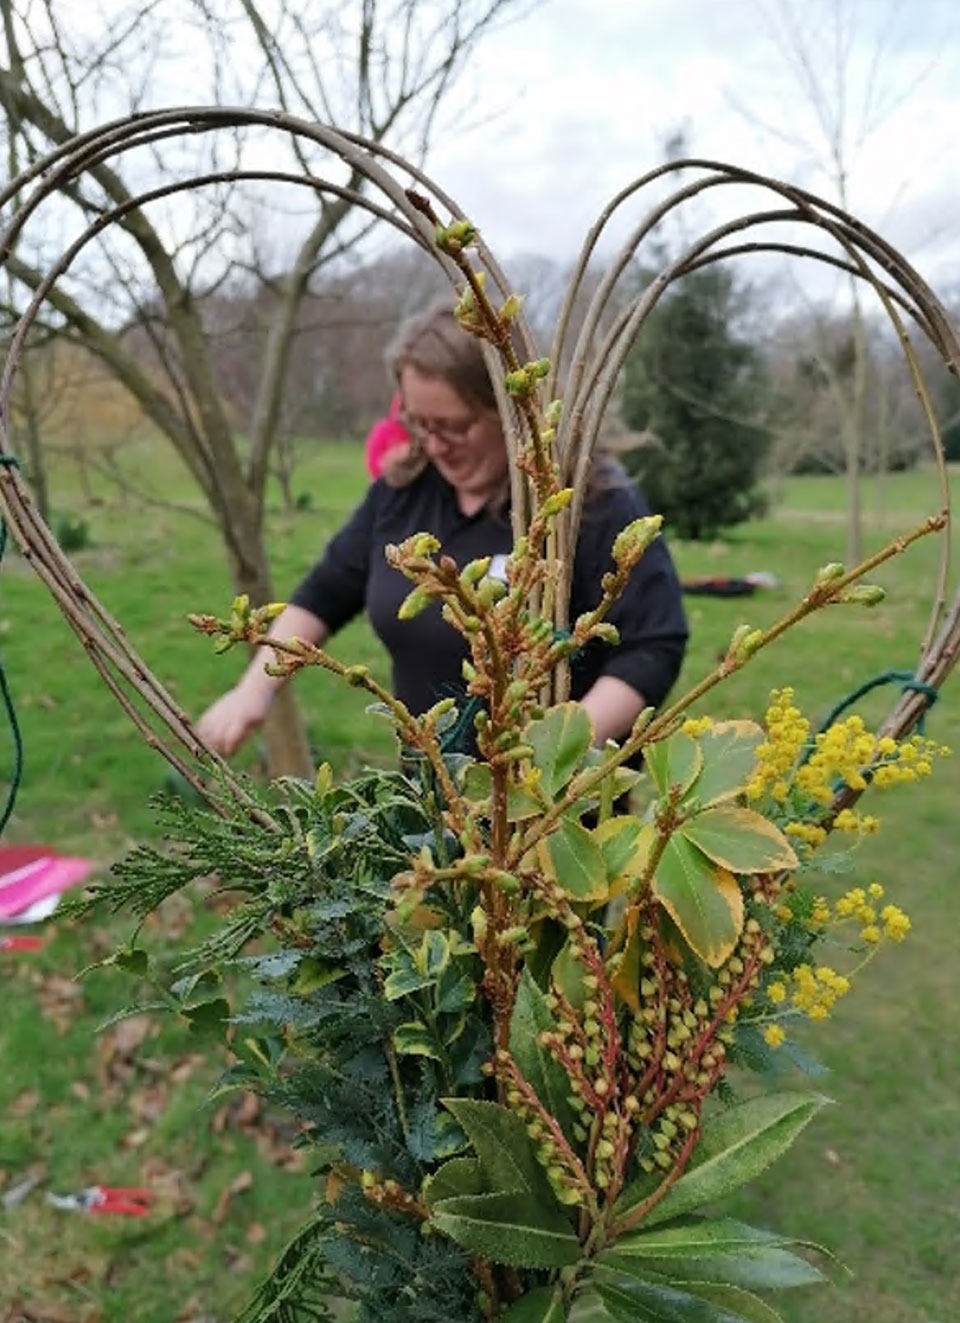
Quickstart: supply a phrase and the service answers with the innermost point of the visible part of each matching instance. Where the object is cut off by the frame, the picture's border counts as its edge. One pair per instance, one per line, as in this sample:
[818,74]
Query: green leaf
[574,860]
[729,751]
[478,789]
[704,901]
[628,1299]
[458,1177]
[455,991]
[404,980]
[544,1305]
[568,975]
[503,1147]
[740,839]
[515,1228]
[736,1145]
[690,1238]
[209,1017]
[561,740]
[618,838]
[313,974]
[414,1039]
[742,1305]
[433,954]
[589,1307]
[132,960]
[674,762]
[712,1250]
[531,1017]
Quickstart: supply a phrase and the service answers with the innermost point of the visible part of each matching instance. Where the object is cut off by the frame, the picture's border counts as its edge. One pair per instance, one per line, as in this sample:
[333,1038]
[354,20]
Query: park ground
[874,1177]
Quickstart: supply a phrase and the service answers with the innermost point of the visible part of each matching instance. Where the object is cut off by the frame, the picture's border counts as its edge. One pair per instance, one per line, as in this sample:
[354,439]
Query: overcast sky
[582,94]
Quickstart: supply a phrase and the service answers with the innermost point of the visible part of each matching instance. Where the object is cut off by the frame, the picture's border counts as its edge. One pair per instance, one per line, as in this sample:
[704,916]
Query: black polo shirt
[427,653]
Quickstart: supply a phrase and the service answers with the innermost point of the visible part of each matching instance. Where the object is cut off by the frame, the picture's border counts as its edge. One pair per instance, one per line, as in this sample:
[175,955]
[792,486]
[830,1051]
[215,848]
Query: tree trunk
[288,751]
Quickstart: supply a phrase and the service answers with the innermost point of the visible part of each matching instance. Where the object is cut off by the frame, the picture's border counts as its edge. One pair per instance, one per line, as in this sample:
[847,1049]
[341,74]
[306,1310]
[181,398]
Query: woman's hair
[434,344]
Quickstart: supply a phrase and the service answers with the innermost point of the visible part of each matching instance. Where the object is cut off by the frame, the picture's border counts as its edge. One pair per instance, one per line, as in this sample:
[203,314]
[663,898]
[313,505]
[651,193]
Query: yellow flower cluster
[774,1034]
[696,725]
[906,762]
[787,732]
[817,990]
[840,752]
[891,923]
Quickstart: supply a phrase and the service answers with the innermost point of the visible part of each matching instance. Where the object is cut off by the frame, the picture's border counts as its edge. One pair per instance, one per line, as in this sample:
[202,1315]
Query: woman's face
[464,442]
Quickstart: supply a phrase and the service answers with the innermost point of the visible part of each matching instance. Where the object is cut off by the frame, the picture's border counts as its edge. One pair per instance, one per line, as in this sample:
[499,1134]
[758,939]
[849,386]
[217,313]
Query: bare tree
[381,69]
[837,55]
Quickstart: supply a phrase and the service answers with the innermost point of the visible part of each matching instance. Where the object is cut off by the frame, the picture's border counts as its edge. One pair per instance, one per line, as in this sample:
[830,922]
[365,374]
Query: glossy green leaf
[314,974]
[690,1238]
[630,1300]
[561,740]
[736,1145]
[674,762]
[568,975]
[704,901]
[458,1177]
[742,1305]
[589,1307]
[433,954]
[740,839]
[729,750]
[574,860]
[544,1305]
[517,1229]
[502,1146]
[712,1250]
[456,991]
[618,839]
[414,1039]
[404,980]
[532,1017]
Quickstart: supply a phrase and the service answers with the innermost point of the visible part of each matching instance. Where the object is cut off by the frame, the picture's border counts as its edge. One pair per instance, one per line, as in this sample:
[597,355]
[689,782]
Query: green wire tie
[9,462]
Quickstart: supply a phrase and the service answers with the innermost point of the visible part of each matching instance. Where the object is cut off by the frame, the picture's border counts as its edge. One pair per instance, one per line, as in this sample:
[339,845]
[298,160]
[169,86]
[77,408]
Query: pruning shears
[128,1201]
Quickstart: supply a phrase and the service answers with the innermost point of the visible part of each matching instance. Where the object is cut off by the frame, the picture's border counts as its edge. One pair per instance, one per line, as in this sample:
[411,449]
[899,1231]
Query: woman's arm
[613,706]
[230,721]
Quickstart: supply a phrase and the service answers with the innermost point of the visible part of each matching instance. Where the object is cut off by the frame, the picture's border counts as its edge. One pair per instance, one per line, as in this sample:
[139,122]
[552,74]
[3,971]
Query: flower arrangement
[505,1014]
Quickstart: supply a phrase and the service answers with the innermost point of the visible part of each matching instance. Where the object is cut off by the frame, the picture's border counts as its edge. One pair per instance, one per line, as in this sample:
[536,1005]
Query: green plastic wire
[8,461]
[908,682]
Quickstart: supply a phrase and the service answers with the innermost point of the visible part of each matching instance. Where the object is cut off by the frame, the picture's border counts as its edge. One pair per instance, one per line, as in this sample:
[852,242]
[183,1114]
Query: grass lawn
[875,1178]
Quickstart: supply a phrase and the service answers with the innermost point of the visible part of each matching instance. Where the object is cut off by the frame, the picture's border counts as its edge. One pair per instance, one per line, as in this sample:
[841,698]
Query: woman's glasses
[452,430]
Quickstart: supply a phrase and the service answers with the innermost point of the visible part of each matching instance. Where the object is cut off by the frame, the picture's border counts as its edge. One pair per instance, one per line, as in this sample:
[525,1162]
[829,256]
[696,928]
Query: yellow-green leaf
[703,900]
[561,740]
[626,981]
[521,802]
[740,839]
[729,751]
[625,844]
[674,762]
[574,860]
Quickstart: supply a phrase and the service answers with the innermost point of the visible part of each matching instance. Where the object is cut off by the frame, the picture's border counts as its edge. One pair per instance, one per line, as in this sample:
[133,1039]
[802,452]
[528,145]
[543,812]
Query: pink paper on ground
[31,873]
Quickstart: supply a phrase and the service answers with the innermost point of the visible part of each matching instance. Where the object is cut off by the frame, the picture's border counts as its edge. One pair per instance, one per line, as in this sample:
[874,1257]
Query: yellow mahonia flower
[774,1035]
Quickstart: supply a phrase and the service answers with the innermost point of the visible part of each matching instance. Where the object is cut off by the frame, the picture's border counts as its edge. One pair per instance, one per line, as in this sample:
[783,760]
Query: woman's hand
[232,719]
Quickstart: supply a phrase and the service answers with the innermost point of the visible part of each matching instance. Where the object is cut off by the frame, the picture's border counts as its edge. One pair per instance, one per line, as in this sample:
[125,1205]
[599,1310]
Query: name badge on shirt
[498,567]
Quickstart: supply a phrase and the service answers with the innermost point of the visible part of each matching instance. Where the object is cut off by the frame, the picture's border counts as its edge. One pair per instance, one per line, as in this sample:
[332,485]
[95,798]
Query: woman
[452,482]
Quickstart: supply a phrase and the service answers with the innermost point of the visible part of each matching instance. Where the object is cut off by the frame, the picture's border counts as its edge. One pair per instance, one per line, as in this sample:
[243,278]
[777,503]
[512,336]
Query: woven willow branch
[609,328]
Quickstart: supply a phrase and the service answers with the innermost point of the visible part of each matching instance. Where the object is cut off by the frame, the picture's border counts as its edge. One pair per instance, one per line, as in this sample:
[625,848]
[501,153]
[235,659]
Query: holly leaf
[740,839]
[674,762]
[703,900]
[561,740]
[414,1039]
[729,750]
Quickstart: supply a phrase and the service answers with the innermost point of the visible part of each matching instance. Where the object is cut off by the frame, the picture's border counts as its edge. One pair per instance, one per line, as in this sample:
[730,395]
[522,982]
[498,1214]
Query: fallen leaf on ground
[242,1181]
